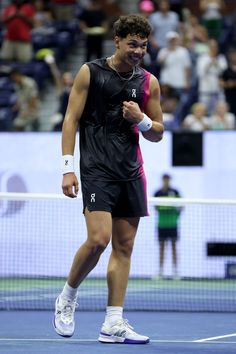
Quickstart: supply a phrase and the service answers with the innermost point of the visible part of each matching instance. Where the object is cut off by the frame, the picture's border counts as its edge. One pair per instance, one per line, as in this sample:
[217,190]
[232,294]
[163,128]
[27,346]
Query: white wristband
[67,164]
[145,124]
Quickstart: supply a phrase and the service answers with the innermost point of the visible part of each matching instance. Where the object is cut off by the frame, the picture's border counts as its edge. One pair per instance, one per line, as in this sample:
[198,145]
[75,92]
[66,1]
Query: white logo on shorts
[92,198]
[134,93]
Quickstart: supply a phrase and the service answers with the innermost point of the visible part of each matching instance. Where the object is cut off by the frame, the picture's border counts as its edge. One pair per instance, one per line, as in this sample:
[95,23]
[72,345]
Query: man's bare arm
[76,104]
[153,110]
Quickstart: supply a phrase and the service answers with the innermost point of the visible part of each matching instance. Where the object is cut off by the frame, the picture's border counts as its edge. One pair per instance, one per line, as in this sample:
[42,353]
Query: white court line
[52,340]
[213,338]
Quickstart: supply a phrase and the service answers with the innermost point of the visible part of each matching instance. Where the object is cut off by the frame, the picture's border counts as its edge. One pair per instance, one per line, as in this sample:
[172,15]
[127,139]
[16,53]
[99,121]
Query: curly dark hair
[132,24]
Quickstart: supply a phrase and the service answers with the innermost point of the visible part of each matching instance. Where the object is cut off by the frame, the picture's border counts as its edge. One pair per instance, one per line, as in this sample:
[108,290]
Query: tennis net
[39,235]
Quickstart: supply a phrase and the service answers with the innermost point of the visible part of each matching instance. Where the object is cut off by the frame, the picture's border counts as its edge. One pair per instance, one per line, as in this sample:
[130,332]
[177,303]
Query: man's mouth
[135,60]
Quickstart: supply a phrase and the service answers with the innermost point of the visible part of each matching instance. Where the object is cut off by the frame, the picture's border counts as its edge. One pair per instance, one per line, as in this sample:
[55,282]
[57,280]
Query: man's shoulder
[158,193]
[29,79]
[143,71]
[174,15]
[174,191]
[8,9]
[29,82]
[98,61]
[97,64]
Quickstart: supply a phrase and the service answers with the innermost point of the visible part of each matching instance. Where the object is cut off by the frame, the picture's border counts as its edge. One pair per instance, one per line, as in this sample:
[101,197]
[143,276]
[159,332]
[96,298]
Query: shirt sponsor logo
[134,94]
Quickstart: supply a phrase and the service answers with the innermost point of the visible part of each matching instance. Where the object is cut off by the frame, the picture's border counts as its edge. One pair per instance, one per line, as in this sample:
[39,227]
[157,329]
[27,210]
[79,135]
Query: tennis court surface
[193,313]
[170,332]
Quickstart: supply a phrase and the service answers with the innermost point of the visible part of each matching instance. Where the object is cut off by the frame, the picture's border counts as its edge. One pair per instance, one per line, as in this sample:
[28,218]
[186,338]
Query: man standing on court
[112,100]
[168,217]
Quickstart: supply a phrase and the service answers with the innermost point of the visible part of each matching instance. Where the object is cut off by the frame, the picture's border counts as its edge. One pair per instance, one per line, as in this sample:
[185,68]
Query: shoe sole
[119,340]
[60,333]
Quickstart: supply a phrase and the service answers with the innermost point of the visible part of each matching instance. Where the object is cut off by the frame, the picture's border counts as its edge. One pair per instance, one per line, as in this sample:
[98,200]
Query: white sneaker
[121,332]
[64,323]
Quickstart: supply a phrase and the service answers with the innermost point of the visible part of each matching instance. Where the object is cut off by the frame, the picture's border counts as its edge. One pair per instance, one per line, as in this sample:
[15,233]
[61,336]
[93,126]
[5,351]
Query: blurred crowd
[192,52]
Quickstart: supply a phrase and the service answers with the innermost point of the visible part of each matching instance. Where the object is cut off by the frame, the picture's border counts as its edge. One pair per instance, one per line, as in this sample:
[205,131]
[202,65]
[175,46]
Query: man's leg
[24,52]
[174,259]
[99,228]
[8,50]
[123,235]
[161,255]
[115,328]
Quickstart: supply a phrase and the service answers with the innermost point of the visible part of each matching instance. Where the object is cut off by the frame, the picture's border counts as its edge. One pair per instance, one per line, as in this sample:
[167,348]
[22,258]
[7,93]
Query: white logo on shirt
[133,93]
[92,200]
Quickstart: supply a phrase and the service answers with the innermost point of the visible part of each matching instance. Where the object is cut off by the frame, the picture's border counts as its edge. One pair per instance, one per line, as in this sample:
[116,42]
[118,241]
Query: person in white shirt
[175,64]
[209,69]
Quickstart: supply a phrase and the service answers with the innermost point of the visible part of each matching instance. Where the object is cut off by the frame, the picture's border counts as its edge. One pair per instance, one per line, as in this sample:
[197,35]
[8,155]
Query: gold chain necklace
[114,68]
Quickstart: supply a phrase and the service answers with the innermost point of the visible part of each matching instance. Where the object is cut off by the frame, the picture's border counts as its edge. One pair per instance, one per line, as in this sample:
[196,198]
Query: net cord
[152,200]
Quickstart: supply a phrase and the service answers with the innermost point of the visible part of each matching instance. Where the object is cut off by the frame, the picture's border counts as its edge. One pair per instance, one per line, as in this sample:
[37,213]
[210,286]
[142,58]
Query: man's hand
[70,185]
[132,112]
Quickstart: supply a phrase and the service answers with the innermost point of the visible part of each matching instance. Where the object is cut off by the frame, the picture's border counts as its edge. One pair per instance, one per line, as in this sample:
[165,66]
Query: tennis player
[112,100]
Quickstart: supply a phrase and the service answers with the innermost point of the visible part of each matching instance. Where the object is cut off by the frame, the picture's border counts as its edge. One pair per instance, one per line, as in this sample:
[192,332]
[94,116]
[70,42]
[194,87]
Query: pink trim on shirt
[146,89]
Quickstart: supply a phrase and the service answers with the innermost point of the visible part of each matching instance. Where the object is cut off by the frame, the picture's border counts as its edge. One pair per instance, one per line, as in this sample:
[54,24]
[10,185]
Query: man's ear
[117,42]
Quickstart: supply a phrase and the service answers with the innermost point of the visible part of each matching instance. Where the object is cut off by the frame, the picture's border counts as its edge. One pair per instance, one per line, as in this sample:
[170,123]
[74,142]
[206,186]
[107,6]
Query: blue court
[31,332]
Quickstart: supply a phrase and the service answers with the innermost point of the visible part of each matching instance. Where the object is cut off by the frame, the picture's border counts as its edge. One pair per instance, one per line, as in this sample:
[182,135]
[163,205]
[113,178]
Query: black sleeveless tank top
[109,145]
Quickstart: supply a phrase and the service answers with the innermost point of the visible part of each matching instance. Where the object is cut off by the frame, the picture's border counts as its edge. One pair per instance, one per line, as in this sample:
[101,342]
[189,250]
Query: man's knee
[125,247]
[99,241]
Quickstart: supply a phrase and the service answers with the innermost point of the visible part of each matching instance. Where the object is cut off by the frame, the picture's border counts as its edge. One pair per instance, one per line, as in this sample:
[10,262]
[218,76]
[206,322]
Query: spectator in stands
[175,64]
[64,10]
[63,90]
[28,102]
[169,103]
[66,85]
[196,121]
[43,21]
[146,8]
[93,23]
[228,82]
[163,21]
[212,16]
[168,218]
[210,67]
[222,118]
[63,83]
[18,18]
[179,7]
[195,35]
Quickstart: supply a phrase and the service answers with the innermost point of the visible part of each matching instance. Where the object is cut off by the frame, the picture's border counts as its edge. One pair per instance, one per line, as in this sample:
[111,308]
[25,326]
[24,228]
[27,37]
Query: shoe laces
[67,308]
[124,323]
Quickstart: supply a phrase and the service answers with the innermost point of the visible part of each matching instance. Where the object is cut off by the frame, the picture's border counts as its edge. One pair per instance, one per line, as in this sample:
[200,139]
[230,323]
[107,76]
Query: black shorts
[165,234]
[120,198]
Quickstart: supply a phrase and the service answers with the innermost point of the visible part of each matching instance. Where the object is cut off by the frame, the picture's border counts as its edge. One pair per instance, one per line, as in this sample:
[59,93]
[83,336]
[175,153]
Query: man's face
[166,181]
[131,49]
[164,6]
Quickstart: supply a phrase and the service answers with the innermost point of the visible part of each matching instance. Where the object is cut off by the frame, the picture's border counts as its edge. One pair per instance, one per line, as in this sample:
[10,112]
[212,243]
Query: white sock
[113,314]
[69,292]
